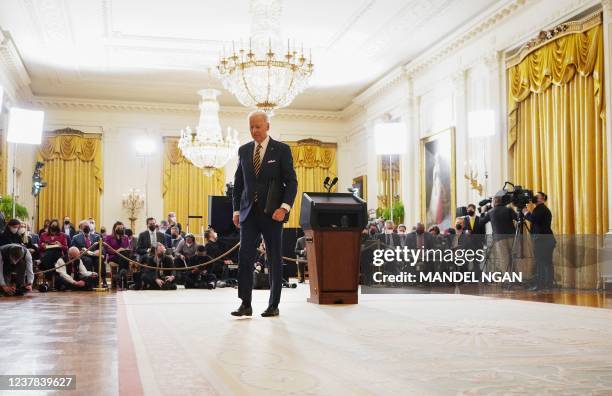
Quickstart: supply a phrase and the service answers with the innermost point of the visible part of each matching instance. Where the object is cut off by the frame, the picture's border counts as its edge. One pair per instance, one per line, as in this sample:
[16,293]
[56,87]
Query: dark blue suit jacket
[79,240]
[277,164]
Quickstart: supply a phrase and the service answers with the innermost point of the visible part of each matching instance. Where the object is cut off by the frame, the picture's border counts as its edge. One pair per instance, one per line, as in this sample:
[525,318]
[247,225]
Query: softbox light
[25,126]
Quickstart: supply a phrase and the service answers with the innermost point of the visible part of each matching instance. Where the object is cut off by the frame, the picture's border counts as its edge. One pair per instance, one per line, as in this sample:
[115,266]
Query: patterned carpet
[413,344]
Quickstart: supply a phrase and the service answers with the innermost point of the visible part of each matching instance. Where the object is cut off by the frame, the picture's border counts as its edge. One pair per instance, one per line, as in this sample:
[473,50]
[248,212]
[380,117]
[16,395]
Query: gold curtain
[185,187]
[556,127]
[389,168]
[313,161]
[73,172]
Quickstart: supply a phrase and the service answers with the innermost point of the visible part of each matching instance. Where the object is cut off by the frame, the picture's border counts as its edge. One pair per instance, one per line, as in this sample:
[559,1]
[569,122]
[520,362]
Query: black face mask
[120,231]
[420,232]
[458,226]
[54,228]
[66,222]
[471,212]
[151,228]
[86,229]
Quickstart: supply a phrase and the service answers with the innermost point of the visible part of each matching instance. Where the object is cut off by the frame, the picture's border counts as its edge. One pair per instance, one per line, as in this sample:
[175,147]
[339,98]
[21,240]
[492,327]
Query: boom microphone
[326,182]
[333,183]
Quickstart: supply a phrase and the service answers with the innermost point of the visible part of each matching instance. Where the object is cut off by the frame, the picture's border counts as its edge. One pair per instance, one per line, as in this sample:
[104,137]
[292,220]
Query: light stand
[390,139]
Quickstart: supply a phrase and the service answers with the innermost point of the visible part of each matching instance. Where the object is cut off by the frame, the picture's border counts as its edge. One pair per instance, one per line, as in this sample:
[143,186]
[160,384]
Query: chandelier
[265,75]
[206,147]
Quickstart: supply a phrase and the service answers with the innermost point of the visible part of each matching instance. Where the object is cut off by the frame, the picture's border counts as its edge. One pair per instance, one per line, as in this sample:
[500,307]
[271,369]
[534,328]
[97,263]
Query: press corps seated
[16,272]
[53,245]
[121,244]
[185,249]
[85,239]
[11,233]
[201,277]
[159,278]
[73,276]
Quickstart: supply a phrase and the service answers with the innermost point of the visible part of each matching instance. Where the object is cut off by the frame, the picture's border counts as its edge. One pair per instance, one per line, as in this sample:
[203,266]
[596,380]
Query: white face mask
[22,231]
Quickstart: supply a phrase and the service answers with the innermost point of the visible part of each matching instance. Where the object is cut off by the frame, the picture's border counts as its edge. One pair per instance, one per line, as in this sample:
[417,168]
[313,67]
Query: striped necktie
[257,160]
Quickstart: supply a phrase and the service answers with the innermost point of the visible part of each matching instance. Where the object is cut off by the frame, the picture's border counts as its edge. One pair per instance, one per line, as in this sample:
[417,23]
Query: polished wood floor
[82,333]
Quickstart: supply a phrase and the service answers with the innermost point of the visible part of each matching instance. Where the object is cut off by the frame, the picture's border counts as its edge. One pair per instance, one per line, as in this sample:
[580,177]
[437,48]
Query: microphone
[326,182]
[333,183]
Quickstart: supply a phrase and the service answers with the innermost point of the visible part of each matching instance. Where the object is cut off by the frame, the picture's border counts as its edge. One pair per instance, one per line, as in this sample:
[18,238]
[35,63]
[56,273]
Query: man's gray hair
[260,113]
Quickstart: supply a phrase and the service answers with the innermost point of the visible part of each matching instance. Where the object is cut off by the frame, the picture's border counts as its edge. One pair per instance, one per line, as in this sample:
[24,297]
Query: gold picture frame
[361,183]
[438,197]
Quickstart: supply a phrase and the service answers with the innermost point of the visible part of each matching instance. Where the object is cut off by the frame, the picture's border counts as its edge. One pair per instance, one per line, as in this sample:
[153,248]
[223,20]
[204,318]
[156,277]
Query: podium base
[100,289]
[334,298]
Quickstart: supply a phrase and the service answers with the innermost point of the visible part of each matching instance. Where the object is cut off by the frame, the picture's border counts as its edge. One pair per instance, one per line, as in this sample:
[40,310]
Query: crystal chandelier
[206,147]
[265,75]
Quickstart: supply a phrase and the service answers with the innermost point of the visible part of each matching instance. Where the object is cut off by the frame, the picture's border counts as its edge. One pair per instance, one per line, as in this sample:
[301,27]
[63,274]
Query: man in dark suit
[69,229]
[475,230]
[265,173]
[149,238]
[502,220]
[83,241]
[544,242]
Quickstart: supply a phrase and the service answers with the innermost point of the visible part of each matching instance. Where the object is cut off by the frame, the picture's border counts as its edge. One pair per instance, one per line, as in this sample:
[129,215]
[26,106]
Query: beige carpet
[187,343]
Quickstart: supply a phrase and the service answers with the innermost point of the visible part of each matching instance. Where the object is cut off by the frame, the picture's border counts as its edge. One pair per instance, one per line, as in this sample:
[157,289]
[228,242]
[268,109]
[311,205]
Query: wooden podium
[332,224]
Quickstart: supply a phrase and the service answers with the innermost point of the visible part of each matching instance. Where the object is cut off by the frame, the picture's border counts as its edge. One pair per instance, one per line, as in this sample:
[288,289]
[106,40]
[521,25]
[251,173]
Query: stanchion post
[100,288]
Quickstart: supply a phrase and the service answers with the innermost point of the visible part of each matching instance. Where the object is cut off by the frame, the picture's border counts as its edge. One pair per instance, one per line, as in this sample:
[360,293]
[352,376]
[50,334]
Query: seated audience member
[388,235]
[201,277]
[103,233]
[11,233]
[185,250]
[27,241]
[164,228]
[15,258]
[35,237]
[175,237]
[83,241]
[132,239]
[149,238]
[73,276]
[53,245]
[159,278]
[419,239]
[45,227]
[214,250]
[172,222]
[68,229]
[121,255]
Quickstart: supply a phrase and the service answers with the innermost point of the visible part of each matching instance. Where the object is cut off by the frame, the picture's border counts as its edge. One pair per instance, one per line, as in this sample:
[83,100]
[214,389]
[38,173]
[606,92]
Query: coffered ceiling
[161,50]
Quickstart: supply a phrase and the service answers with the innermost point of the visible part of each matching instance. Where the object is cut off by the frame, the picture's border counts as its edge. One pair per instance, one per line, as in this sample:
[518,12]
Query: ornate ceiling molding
[76,104]
[11,65]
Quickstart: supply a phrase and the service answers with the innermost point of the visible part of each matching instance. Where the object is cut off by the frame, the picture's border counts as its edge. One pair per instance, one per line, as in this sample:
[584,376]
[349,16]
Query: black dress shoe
[243,310]
[270,311]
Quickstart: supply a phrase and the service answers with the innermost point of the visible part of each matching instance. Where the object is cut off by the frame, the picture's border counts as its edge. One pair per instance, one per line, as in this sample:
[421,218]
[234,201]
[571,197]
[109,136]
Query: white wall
[438,89]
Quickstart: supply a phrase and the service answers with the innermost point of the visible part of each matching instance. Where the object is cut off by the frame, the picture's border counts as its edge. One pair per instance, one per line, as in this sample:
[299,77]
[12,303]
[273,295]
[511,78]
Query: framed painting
[359,183]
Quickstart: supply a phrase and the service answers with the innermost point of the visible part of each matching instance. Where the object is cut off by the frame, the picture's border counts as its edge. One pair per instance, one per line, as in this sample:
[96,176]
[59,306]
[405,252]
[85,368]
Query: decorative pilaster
[459,81]
[496,159]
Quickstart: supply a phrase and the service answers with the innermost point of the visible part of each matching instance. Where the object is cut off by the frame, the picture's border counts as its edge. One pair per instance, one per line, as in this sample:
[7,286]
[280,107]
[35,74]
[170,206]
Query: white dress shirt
[262,153]
[60,268]
[153,237]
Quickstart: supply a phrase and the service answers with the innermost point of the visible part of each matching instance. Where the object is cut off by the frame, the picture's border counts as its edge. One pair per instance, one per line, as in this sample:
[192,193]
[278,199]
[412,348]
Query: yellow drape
[73,172]
[185,187]
[313,161]
[557,134]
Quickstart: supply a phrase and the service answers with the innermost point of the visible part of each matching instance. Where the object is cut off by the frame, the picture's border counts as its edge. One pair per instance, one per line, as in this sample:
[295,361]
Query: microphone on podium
[333,183]
[326,182]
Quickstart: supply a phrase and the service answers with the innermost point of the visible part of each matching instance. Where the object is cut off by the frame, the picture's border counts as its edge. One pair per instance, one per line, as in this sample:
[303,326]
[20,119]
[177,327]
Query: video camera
[518,196]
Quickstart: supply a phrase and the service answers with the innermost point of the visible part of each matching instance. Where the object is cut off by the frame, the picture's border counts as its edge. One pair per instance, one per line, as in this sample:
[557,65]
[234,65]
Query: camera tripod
[521,226]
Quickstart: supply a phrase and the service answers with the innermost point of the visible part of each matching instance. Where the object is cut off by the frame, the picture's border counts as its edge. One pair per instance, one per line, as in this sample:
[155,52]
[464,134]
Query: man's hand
[28,287]
[94,274]
[279,214]
[159,282]
[79,283]
[237,221]
[10,290]
[169,278]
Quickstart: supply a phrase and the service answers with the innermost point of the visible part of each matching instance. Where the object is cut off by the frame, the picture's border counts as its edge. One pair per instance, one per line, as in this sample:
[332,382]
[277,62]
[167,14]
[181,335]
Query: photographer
[502,220]
[159,279]
[543,242]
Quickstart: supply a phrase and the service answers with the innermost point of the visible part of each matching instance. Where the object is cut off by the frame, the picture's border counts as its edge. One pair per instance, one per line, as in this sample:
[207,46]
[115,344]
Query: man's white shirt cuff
[236,212]
[286,207]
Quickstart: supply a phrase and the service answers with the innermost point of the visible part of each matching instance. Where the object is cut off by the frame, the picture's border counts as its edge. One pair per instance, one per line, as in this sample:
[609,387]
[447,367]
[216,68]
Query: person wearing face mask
[175,236]
[185,249]
[53,245]
[68,229]
[544,241]
[15,259]
[159,278]
[73,276]
[83,241]
[419,239]
[10,234]
[172,222]
[149,238]
[45,227]
[26,240]
[118,241]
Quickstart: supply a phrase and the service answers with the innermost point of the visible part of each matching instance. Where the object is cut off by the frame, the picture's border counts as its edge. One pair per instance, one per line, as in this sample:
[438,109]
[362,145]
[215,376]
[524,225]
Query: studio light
[25,126]
[145,147]
[481,123]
